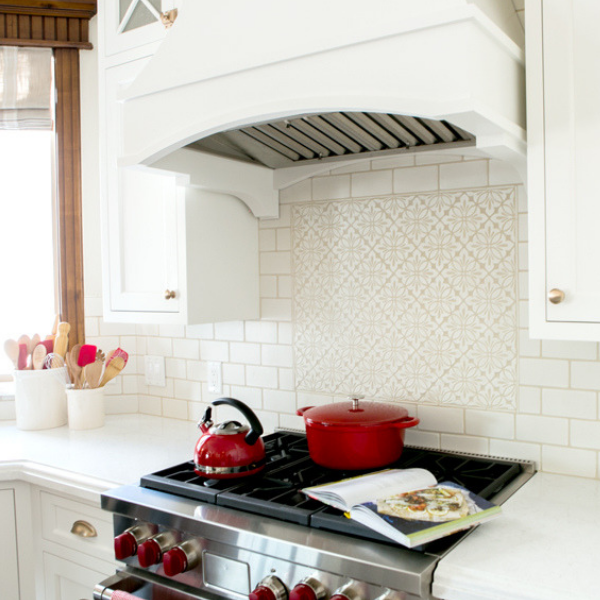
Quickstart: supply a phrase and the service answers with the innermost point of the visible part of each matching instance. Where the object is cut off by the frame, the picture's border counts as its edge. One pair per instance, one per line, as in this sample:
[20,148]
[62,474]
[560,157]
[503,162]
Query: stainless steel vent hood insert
[333,137]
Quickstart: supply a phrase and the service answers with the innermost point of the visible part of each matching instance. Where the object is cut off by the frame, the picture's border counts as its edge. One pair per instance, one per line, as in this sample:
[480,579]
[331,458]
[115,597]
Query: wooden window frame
[62,26]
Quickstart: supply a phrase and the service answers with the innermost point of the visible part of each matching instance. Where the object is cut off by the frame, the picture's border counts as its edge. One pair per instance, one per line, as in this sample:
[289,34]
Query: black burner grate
[276,491]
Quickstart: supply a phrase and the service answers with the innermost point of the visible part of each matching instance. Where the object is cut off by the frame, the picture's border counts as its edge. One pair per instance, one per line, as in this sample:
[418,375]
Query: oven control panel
[231,571]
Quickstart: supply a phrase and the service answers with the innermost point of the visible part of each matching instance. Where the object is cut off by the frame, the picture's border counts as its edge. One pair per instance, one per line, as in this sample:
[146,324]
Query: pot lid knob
[355,400]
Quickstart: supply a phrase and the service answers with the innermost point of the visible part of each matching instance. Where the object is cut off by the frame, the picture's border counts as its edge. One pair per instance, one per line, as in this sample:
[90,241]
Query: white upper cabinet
[129,24]
[563,118]
[175,251]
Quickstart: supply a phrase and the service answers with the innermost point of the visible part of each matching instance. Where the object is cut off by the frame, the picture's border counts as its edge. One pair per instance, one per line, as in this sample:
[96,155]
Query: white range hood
[231,64]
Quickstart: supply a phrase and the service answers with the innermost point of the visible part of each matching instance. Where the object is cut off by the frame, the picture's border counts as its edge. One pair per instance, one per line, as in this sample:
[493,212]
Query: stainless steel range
[183,537]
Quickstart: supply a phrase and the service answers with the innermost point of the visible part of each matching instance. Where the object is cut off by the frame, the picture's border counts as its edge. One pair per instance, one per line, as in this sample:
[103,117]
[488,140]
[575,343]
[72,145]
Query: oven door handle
[144,585]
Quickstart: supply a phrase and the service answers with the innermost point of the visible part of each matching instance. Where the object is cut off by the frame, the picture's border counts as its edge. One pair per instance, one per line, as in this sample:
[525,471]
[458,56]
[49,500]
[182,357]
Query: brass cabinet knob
[84,529]
[169,294]
[556,296]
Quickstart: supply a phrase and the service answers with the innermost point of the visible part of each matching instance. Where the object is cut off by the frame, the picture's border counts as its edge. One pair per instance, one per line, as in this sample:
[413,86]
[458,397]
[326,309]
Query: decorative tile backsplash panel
[408,297]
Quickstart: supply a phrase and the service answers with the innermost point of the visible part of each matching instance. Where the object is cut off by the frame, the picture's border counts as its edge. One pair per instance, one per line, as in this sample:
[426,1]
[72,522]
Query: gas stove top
[276,492]
[186,537]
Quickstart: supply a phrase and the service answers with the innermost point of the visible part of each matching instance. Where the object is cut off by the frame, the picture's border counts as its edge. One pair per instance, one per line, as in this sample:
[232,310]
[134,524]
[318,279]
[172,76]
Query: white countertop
[544,547]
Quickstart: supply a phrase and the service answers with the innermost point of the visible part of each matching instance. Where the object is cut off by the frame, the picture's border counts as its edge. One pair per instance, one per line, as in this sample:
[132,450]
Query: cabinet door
[142,228]
[129,24]
[66,580]
[9,574]
[563,66]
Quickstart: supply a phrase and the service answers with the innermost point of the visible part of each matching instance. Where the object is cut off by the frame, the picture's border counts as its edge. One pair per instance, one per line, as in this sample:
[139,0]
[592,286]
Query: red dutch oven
[356,435]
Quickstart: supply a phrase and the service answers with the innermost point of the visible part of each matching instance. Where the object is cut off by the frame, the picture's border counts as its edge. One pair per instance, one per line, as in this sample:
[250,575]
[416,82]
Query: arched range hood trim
[453,65]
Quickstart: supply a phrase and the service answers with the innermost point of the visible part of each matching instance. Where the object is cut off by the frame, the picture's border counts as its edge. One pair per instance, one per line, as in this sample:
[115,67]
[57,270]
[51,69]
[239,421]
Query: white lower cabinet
[9,574]
[73,545]
[68,580]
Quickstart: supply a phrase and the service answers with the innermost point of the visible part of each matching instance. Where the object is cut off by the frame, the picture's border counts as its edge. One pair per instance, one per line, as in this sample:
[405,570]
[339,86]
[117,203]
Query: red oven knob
[182,558]
[127,543]
[270,588]
[309,588]
[348,591]
[152,550]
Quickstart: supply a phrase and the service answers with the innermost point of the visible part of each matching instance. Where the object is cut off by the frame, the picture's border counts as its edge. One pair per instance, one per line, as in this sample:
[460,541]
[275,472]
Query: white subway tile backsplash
[175,368]
[231,330]
[464,175]
[441,419]
[371,183]
[327,188]
[569,404]
[573,350]
[490,424]
[279,401]
[175,409]
[426,439]
[544,373]
[284,287]
[234,374]
[188,390]
[585,434]
[544,430]
[569,461]
[246,353]
[216,351]
[150,405]
[298,192]
[465,443]
[261,331]
[265,377]
[275,263]
[267,240]
[286,379]
[160,346]
[585,375]
[186,349]
[284,241]
[276,310]
[204,331]
[249,395]
[282,221]
[285,333]
[172,331]
[196,370]
[530,400]
[501,173]
[517,450]
[277,356]
[416,179]
[291,422]
[268,286]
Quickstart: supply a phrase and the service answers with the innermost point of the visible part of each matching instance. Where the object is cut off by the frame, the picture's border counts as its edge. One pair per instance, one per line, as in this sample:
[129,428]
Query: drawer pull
[84,529]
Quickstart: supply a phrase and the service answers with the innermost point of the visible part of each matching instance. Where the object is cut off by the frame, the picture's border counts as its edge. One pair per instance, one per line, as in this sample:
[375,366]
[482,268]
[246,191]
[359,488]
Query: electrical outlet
[215,378]
[155,371]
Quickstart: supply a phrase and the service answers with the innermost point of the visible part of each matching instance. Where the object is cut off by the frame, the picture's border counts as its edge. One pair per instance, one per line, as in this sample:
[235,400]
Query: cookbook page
[364,488]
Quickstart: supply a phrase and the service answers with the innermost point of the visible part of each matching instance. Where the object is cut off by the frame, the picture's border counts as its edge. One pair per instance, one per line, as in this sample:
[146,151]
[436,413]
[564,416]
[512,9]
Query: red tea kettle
[229,449]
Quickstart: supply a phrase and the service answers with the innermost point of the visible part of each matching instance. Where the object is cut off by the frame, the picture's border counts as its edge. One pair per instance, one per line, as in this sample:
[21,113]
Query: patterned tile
[408,297]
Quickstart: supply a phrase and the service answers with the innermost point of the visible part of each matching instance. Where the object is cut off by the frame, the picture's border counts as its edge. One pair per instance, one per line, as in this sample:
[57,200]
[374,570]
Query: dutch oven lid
[355,412]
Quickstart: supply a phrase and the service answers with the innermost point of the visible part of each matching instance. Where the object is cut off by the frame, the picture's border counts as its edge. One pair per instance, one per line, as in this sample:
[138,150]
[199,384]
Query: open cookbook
[406,505]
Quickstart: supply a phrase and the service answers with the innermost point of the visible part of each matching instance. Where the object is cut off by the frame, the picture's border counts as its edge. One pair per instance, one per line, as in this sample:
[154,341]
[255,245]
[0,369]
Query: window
[27,245]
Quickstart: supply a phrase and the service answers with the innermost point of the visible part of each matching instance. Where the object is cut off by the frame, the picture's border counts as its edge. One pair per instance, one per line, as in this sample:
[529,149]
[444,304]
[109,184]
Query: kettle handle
[256,429]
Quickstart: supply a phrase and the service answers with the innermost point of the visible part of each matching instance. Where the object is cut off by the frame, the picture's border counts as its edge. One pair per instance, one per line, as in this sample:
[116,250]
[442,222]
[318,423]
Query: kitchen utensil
[87,355]
[35,340]
[38,356]
[48,344]
[11,347]
[356,435]
[112,370]
[118,352]
[22,359]
[229,449]
[54,330]
[100,355]
[74,365]
[61,341]
[25,339]
[92,373]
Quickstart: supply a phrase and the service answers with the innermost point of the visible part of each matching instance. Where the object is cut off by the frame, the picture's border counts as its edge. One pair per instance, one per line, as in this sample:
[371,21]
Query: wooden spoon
[112,370]
[76,371]
[92,373]
[39,356]
[62,339]
[35,340]
[11,347]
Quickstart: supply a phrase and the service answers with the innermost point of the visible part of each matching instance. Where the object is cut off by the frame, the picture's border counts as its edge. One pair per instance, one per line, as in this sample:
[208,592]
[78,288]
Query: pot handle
[256,429]
[408,422]
[300,412]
